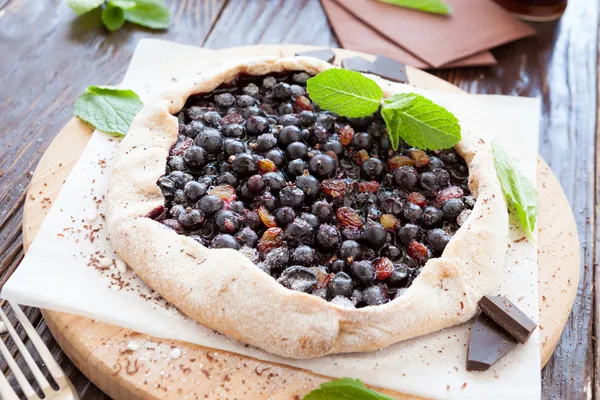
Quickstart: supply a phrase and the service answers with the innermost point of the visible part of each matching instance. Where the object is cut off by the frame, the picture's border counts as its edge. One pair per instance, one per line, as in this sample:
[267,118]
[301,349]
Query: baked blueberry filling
[320,202]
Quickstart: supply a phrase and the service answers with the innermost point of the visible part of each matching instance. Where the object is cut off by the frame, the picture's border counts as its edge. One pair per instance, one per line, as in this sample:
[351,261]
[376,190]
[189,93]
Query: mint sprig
[108,109]
[345,388]
[345,92]
[520,194]
[152,14]
[430,6]
[418,121]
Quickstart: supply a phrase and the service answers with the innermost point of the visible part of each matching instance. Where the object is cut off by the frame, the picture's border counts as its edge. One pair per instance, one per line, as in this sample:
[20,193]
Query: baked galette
[296,230]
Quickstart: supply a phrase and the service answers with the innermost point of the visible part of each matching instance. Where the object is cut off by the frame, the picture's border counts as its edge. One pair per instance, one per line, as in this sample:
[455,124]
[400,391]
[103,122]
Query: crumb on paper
[121,266]
[106,262]
[175,353]
[133,346]
[91,215]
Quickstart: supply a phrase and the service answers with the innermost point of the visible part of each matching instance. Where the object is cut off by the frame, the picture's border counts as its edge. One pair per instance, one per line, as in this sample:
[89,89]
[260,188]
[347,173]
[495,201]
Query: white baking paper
[71,266]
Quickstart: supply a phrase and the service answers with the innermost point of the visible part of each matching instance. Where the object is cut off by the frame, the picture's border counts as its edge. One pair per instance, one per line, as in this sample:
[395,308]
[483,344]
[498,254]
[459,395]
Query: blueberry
[256,184]
[322,166]
[256,125]
[173,224]
[323,211]
[296,150]
[452,207]
[238,207]
[374,296]
[319,135]
[223,241]
[392,252]
[268,200]
[406,177]
[212,118]
[274,181]
[326,120]
[180,178]
[268,83]
[251,219]
[328,238]
[373,169]
[312,220]
[307,118]
[300,78]
[341,285]
[209,169]
[362,272]
[245,100]
[443,177]
[195,112]
[291,196]
[277,156]
[285,108]
[297,91]
[282,91]
[289,134]
[247,237]
[176,163]
[350,251]
[211,140]
[298,278]
[296,167]
[375,235]
[243,165]
[250,90]
[232,147]
[432,216]
[299,231]
[288,119]
[277,259]
[437,239]
[398,277]
[309,185]
[234,130]
[194,190]
[391,205]
[303,255]
[285,215]
[377,129]
[412,212]
[176,210]
[179,197]
[193,129]
[362,141]
[191,219]
[228,221]
[429,181]
[210,204]
[408,233]
[469,201]
[335,146]
[337,266]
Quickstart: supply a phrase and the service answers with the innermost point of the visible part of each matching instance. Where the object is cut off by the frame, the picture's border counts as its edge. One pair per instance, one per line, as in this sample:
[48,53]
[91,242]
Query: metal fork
[65,391]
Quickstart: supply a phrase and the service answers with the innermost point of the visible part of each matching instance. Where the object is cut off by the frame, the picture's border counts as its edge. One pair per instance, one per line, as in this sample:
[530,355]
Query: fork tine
[21,380]
[55,369]
[6,392]
[37,373]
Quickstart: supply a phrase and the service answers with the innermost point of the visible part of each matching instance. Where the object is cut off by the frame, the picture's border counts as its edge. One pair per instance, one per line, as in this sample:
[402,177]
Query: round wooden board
[99,350]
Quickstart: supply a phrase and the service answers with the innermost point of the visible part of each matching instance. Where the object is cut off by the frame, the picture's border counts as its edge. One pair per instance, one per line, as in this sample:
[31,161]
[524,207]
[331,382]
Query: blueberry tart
[295,230]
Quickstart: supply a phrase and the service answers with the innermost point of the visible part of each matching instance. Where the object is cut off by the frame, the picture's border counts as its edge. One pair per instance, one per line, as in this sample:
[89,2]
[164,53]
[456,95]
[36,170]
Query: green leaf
[113,17]
[430,6]
[419,122]
[83,6]
[110,110]
[149,13]
[344,92]
[124,4]
[345,389]
[520,193]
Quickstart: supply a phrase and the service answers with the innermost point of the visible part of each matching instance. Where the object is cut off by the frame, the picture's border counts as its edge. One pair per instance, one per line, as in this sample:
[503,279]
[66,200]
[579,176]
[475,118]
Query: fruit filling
[319,202]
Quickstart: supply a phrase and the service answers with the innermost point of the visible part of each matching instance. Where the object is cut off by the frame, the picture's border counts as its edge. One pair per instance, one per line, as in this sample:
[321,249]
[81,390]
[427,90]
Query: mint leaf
[419,122]
[430,6]
[519,192]
[149,13]
[113,17]
[345,388]
[124,4]
[110,110]
[83,6]
[344,92]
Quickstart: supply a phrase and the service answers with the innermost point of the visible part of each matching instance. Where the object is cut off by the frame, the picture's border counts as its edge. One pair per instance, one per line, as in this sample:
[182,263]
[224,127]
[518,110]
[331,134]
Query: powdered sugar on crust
[223,290]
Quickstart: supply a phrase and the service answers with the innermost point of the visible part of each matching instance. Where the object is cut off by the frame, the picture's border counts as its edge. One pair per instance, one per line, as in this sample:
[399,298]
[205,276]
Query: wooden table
[47,57]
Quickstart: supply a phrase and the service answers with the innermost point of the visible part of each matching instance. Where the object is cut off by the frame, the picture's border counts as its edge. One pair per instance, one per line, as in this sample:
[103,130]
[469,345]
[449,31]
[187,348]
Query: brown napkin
[474,26]
[353,34]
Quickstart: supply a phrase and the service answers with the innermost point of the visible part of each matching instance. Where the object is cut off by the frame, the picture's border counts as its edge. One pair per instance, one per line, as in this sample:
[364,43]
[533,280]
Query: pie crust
[223,290]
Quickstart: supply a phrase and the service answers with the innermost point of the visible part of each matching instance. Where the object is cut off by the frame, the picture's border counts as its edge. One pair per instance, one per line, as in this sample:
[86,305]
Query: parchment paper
[71,266]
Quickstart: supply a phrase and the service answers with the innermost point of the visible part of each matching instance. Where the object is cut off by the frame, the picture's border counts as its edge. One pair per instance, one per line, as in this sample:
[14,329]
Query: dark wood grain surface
[48,56]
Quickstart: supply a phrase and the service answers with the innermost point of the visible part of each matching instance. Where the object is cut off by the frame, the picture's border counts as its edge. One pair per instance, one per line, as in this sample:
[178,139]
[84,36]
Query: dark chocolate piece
[390,69]
[488,343]
[325,55]
[358,64]
[508,316]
